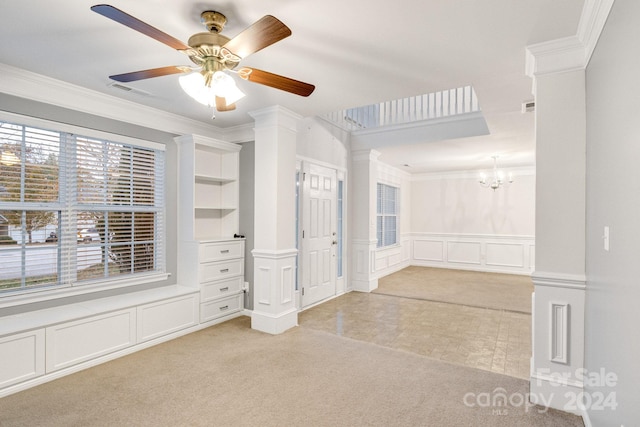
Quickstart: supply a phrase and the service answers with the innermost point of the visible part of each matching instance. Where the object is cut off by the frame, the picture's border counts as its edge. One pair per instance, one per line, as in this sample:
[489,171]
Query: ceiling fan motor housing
[214,21]
[209,46]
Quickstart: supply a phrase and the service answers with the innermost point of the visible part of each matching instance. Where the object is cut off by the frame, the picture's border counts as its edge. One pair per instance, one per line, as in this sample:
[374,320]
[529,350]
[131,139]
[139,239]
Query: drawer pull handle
[224,270]
[226,307]
[225,289]
[225,251]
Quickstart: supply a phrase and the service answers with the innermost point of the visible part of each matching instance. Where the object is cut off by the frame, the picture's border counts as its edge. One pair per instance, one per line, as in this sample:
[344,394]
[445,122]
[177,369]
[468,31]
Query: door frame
[342,283]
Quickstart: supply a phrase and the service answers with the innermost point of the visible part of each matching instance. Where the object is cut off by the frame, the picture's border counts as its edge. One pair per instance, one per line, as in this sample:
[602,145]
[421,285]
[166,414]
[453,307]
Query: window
[387,220]
[75,209]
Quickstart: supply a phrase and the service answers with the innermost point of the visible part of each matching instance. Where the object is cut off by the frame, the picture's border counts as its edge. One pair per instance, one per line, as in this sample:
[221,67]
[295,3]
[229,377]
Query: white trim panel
[479,252]
[164,317]
[74,342]
[559,332]
[22,357]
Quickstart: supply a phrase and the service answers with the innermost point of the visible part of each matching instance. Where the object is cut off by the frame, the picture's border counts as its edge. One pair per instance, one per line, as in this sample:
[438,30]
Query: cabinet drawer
[219,251]
[220,288]
[220,270]
[219,308]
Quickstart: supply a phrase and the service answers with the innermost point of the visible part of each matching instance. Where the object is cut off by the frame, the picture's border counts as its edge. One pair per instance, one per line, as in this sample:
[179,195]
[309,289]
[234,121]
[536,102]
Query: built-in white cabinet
[209,256]
[220,276]
[38,346]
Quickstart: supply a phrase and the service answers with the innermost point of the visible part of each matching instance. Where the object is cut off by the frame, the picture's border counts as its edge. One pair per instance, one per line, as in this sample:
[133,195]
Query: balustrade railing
[429,106]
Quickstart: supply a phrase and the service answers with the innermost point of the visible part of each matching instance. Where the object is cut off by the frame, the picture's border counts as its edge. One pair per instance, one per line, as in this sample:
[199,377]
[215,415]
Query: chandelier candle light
[497,180]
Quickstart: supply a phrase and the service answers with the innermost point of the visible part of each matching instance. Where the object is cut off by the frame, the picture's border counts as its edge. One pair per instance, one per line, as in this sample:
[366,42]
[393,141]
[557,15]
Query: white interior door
[318,233]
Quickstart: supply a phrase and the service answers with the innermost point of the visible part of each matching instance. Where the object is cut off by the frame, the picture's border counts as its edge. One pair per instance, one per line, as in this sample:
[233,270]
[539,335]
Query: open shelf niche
[208,188]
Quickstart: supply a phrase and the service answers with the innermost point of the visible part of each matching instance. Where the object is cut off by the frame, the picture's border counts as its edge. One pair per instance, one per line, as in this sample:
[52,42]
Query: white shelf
[213,179]
[215,208]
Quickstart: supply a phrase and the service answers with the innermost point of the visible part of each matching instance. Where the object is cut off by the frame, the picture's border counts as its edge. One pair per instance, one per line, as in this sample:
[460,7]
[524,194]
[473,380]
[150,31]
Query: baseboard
[274,324]
[585,417]
[478,269]
[555,392]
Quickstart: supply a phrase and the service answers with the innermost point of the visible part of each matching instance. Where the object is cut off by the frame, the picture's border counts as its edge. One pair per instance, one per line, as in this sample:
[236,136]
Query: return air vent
[129,89]
[528,107]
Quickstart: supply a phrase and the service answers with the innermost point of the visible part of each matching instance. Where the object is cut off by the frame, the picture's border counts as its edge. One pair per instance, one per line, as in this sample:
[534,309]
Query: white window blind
[74,209]
[387,215]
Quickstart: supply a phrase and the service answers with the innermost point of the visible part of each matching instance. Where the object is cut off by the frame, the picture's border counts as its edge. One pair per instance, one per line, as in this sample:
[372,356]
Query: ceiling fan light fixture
[220,85]
[194,85]
[225,87]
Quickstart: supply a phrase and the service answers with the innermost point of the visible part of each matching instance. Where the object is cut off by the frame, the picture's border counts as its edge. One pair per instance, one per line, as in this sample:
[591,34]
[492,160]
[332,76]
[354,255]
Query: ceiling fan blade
[136,24]
[264,32]
[221,104]
[276,81]
[148,74]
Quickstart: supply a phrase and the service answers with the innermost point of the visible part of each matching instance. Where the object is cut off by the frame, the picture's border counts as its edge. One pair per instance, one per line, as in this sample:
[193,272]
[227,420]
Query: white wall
[613,200]
[456,223]
[323,143]
[246,212]
[456,203]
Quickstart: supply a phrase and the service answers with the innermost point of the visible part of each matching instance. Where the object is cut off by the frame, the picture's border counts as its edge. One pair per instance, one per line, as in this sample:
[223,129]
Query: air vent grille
[528,106]
[129,89]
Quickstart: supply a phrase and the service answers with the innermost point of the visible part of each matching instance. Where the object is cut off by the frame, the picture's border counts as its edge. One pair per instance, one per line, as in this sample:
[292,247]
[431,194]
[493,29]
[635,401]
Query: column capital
[276,116]
[365,155]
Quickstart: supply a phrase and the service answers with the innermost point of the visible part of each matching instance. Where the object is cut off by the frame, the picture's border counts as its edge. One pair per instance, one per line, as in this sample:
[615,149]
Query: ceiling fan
[213,55]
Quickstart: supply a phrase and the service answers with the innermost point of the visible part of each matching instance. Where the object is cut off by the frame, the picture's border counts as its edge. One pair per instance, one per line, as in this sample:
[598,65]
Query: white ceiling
[356,52]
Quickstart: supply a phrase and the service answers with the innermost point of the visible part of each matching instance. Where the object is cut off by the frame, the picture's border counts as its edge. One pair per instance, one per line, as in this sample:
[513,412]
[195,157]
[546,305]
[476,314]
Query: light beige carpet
[230,375]
[477,289]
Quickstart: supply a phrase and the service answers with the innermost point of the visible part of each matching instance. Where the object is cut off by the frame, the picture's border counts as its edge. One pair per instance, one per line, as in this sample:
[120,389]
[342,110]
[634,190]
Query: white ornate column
[364,240]
[274,309]
[558,69]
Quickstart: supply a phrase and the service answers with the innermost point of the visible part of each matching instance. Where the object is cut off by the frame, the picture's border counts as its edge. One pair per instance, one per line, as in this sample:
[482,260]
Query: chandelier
[497,180]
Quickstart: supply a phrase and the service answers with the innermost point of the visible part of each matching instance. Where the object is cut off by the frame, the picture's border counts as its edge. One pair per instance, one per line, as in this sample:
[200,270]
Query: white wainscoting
[41,345]
[558,339]
[391,259]
[480,252]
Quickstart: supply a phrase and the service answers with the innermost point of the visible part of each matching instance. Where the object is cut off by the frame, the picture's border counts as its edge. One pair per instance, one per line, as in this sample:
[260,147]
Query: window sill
[43,295]
[37,319]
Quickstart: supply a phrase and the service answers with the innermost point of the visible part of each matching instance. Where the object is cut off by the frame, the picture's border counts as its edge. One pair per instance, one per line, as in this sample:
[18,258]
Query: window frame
[382,215]
[71,288]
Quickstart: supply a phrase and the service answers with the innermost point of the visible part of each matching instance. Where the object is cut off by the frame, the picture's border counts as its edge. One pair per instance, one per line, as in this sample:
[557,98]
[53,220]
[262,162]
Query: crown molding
[239,134]
[574,52]
[26,84]
[594,16]
[471,174]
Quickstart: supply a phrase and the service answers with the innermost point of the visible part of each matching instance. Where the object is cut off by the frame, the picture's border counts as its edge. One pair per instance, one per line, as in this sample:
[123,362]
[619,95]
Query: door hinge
[304,176]
[302,291]
[303,234]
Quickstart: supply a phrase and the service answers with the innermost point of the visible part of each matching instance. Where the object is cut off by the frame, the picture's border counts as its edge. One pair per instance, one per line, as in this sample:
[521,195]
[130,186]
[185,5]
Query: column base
[274,324]
[556,392]
[365,285]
